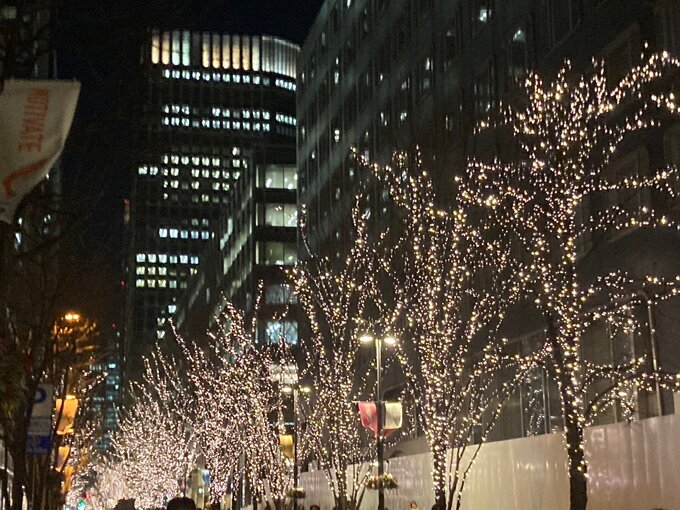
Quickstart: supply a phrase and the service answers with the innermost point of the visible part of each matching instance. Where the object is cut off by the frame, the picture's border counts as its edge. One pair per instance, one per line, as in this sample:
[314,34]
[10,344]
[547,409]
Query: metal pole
[379,415]
[295,448]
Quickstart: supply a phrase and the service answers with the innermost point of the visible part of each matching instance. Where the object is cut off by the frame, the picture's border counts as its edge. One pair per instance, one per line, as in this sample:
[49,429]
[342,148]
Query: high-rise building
[217,109]
[382,75]
[107,394]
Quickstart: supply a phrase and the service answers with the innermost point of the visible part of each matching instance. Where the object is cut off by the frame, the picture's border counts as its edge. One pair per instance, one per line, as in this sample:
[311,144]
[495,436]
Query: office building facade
[213,104]
[381,76]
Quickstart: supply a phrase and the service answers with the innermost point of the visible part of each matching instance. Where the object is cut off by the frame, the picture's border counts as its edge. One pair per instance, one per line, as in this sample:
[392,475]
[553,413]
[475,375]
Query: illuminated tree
[334,301]
[567,133]
[253,401]
[448,290]
[154,446]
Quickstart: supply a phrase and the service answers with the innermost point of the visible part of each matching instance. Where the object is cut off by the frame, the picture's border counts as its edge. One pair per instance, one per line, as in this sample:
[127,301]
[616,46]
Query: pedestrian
[413,505]
[181,504]
[314,507]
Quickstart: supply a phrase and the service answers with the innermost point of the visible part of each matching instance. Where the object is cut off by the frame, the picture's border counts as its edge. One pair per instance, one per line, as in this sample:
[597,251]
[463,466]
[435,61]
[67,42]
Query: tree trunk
[19,457]
[578,485]
[19,481]
[341,480]
[439,475]
[573,429]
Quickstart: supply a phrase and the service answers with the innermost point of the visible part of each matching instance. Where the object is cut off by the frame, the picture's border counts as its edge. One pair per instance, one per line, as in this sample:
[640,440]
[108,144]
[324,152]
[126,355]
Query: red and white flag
[369,416]
[392,417]
[35,118]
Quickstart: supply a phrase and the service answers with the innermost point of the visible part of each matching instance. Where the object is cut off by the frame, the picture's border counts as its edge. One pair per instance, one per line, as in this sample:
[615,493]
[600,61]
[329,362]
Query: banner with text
[35,118]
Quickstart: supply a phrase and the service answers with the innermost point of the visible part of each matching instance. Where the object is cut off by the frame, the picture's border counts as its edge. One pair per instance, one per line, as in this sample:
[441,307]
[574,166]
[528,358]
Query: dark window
[454,38]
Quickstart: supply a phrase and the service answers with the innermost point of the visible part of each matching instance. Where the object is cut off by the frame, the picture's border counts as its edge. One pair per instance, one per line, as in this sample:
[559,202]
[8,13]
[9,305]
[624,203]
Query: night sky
[98,43]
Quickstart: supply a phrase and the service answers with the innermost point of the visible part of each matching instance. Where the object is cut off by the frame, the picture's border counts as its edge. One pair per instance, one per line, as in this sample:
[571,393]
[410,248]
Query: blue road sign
[40,428]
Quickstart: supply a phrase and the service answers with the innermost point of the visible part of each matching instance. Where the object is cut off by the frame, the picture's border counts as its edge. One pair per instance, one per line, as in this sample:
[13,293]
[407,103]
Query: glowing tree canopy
[335,300]
[446,322]
[567,133]
[154,446]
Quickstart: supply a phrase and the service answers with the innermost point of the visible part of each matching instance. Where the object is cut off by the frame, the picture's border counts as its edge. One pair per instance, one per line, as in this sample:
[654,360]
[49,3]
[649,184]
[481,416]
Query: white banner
[393,415]
[35,118]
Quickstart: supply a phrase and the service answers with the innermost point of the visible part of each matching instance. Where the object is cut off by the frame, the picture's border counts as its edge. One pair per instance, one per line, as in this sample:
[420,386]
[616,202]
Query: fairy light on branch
[434,260]
[568,133]
[334,300]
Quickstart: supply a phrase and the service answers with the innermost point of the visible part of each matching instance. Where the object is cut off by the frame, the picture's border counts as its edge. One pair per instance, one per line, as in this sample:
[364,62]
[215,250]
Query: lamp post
[294,389]
[389,340]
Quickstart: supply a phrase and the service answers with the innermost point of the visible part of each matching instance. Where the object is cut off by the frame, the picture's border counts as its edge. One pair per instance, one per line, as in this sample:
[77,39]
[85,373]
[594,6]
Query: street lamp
[389,340]
[72,317]
[294,390]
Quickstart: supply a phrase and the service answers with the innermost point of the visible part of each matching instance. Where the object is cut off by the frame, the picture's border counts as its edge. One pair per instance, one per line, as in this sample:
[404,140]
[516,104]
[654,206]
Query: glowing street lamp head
[365,338]
[287,389]
[72,317]
[305,389]
[390,340]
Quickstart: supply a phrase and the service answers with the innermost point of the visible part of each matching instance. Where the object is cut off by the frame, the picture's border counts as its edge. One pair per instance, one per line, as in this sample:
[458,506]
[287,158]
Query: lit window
[163,232]
[278,254]
[152,258]
[141,257]
[155,47]
[280,177]
[280,294]
[173,233]
[141,270]
[280,215]
[140,283]
[281,331]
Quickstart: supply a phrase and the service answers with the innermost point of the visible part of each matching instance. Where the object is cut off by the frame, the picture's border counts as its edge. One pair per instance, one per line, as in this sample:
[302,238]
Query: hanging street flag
[63,454]
[369,416]
[392,417]
[65,411]
[35,118]
[286,443]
